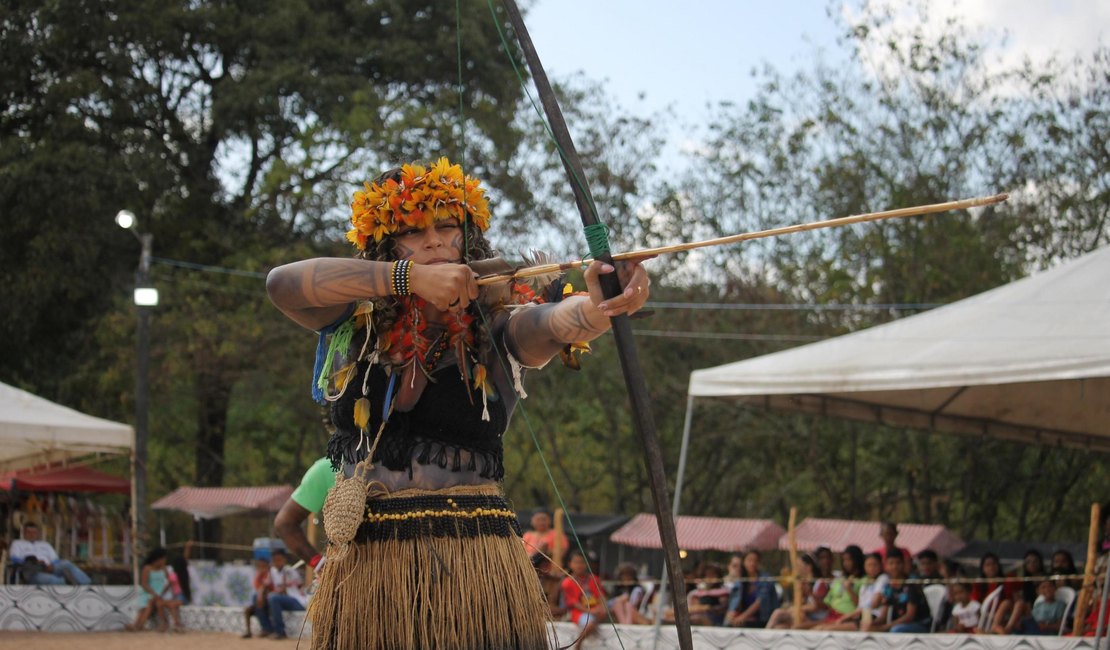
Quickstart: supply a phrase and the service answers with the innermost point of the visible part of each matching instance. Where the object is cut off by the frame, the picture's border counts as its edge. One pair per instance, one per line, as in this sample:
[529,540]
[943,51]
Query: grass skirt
[442,570]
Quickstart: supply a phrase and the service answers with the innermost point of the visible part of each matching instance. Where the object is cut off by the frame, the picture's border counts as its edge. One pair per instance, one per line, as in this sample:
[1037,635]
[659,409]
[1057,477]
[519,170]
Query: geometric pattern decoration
[66,608]
[642,637]
[101,609]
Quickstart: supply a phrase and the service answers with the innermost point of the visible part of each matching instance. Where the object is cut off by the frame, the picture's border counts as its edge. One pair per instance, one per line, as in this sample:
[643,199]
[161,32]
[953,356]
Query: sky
[653,54]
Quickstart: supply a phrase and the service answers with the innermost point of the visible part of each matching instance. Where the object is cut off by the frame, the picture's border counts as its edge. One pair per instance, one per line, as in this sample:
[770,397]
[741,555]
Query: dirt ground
[140,641]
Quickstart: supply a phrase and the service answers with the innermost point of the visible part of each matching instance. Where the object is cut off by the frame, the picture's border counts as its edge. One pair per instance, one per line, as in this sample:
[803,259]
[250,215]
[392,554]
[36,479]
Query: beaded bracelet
[399,278]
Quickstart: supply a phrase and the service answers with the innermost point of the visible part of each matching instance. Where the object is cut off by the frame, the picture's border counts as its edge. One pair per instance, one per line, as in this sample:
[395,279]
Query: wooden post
[1088,573]
[557,550]
[796,584]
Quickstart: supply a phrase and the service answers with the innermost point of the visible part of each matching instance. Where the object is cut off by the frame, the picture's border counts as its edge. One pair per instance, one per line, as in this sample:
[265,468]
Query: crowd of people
[881,591]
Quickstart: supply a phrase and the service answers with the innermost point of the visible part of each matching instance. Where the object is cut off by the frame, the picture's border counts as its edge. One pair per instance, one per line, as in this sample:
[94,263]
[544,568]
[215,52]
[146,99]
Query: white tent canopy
[35,431]
[1027,361]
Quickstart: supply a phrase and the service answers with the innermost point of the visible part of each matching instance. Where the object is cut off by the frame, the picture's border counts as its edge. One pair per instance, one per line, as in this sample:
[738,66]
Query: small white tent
[35,431]
[1028,361]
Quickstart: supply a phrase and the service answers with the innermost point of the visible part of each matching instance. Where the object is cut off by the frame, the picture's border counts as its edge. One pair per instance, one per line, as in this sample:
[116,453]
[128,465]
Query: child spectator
[965,611]
[258,607]
[905,609]
[1047,612]
[584,597]
[286,594]
[628,595]
[552,585]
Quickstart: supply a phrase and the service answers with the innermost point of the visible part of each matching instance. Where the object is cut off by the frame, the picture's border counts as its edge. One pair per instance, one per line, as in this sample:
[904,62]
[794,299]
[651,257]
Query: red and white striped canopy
[212,503]
[702,533]
[837,534]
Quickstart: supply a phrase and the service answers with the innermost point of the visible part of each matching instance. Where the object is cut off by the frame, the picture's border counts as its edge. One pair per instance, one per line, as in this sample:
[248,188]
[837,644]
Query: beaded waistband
[470,512]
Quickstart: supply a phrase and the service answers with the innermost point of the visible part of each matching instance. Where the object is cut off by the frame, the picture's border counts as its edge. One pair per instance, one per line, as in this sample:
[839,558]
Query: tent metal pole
[1102,610]
[660,603]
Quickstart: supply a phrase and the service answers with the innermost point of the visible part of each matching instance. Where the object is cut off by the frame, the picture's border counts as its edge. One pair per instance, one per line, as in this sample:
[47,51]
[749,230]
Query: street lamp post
[145,298]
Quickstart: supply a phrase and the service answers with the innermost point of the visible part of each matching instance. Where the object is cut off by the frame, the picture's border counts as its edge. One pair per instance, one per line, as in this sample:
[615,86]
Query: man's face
[279,560]
[31,533]
[888,534]
[927,565]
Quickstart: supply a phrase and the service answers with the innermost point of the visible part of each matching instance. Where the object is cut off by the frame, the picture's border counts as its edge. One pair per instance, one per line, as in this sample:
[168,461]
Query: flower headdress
[418,198]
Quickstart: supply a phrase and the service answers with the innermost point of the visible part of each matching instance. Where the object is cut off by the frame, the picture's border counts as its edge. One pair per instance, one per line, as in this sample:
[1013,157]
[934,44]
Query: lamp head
[125,219]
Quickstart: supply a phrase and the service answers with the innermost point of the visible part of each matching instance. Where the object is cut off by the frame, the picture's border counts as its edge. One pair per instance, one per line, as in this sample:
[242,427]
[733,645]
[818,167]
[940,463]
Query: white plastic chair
[935,595]
[989,605]
[1067,594]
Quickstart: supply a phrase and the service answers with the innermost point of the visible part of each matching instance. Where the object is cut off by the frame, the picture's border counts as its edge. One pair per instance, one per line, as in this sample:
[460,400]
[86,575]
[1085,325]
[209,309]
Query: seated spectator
[285,592]
[1047,613]
[38,562]
[735,571]
[869,600]
[156,594]
[990,569]
[928,566]
[708,602]
[1026,594]
[905,609]
[965,611]
[1063,564]
[584,596]
[824,557]
[888,532]
[258,607]
[843,596]
[628,596]
[753,598]
[815,587]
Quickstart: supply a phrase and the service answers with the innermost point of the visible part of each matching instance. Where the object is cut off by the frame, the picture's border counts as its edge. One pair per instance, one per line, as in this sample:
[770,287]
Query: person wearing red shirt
[541,539]
[584,597]
[888,531]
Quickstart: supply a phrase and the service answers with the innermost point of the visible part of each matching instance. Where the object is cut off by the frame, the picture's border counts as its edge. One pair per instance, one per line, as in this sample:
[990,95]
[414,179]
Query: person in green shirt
[306,499]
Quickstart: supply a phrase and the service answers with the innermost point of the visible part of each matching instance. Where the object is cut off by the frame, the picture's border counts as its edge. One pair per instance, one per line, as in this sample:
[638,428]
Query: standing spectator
[305,500]
[39,563]
[584,597]
[905,609]
[286,594]
[888,532]
[258,607]
[753,599]
[965,611]
[541,539]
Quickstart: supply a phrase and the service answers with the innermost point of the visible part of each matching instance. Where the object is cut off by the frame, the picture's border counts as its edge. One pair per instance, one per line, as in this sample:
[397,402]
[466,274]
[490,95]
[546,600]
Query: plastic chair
[935,595]
[1067,594]
[989,605]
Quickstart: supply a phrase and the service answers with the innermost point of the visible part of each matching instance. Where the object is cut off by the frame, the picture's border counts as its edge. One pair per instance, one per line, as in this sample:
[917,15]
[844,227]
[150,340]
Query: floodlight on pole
[145,297]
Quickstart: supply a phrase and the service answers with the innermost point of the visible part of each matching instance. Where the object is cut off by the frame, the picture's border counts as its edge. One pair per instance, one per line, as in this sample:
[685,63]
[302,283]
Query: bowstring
[500,351]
